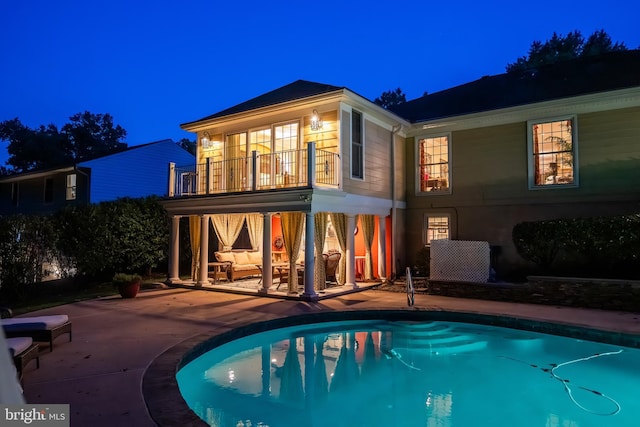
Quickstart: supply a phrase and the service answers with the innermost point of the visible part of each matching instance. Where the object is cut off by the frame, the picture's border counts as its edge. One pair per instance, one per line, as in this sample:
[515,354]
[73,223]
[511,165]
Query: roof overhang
[36,174]
[612,100]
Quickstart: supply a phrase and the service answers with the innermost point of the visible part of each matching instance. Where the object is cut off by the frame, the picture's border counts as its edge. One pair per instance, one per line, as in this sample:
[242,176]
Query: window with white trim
[552,153]
[71,186]
[433,164]
[436,227]
[357,146]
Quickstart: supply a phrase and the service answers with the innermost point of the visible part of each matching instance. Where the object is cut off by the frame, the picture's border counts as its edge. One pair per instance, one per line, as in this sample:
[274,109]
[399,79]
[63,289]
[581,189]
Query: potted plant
[128,284]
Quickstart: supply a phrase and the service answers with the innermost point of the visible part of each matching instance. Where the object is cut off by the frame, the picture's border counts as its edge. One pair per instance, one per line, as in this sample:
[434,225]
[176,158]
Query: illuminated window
[433,164]
[552,153]
[71,186]
[436,227]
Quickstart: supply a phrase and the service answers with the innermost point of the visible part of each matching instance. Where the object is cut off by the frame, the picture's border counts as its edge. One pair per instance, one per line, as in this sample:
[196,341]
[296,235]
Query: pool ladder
[410,291]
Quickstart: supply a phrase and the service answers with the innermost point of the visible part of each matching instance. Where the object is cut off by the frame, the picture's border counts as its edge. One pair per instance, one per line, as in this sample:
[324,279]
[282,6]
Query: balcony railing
[284,169]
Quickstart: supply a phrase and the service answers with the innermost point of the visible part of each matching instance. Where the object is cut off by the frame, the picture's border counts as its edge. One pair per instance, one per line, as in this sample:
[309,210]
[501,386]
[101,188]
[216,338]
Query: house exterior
[556,142]
[135,172]
[304,155]
[467,163]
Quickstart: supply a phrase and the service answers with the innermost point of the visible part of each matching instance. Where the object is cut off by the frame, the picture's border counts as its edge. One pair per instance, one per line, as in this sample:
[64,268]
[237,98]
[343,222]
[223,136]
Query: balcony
[308,167]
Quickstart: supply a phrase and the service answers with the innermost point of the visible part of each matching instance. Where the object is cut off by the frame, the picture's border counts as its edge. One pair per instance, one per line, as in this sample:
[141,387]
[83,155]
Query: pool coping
[167,407]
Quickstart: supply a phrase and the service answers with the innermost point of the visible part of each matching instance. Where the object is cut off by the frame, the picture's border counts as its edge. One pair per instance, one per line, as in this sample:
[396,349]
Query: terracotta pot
[129,290]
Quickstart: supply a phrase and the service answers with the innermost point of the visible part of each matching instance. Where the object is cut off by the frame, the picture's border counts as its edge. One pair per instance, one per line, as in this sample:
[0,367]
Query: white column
[309,249]
[204,251]
[267,269]
[351,251]
[382,247]
[174,250]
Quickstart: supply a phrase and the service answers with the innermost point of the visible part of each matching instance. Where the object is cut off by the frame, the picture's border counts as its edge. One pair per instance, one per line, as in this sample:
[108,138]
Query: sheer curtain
[368,223]
[321,220]
[255,225]
[227,228]
[292,228]
[339,221]
[194,239]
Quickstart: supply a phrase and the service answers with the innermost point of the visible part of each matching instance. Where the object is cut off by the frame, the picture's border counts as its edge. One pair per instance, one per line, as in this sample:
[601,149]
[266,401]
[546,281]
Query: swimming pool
[405,373]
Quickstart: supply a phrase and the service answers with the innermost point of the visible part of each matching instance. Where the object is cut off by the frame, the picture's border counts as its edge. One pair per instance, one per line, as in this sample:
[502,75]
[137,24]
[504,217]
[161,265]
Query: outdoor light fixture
[206,140]
[316,122]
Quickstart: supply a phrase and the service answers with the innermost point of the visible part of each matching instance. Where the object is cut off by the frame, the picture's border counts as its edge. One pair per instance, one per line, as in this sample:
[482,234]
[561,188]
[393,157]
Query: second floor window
[433,164]
[552,153]
[71,186]
[357,146]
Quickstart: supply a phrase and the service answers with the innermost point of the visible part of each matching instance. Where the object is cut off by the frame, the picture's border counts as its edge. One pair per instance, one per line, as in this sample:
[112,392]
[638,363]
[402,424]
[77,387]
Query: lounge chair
[40,329]
[23,350]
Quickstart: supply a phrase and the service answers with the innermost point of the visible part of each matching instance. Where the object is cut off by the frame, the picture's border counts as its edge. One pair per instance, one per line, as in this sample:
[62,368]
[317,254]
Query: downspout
[394,130]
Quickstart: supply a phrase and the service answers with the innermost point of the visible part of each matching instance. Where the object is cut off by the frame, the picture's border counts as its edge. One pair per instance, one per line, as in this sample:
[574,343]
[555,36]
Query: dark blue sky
[156,64]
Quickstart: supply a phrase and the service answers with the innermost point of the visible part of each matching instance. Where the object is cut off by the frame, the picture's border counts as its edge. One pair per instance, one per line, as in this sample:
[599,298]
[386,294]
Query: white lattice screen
[460,260]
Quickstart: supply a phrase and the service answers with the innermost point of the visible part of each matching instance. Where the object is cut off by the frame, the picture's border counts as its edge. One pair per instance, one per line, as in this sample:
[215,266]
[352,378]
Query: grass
[54,294]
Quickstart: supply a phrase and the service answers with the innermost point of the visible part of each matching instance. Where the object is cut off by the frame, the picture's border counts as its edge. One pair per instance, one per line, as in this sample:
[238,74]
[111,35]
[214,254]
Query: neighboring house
[135,172]
[467,163]
[559,141]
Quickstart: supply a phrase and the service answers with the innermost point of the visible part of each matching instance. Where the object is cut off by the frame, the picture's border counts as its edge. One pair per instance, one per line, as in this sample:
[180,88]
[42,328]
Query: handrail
[411,293]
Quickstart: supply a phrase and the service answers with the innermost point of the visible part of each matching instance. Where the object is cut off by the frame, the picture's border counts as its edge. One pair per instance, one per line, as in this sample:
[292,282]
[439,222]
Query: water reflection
[432,374]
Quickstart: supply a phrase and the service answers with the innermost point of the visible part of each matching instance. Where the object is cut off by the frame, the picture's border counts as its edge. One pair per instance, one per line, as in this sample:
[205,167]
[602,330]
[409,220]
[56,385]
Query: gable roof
[72,165]
[296,90]
[588,75]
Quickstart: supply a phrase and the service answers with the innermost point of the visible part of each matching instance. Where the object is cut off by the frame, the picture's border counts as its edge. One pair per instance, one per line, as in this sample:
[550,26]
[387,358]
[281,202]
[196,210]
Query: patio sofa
[242,262]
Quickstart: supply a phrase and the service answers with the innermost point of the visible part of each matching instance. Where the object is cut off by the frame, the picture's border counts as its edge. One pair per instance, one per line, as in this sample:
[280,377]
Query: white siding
[138,172]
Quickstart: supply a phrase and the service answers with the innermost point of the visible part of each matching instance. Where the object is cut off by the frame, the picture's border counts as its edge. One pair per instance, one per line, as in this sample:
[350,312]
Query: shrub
[599,246]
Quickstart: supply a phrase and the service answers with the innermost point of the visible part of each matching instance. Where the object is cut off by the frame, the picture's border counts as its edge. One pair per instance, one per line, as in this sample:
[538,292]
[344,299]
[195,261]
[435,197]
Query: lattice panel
[460,260]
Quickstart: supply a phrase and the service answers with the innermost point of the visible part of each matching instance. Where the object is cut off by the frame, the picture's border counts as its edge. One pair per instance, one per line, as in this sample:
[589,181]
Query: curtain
[255,224]
[320,219]
[339,221]
[368,223]
[292,227]
[194,238]
[227,228]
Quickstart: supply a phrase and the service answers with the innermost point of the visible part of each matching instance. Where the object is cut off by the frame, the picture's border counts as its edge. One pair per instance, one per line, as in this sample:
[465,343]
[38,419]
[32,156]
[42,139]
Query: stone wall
[620,295]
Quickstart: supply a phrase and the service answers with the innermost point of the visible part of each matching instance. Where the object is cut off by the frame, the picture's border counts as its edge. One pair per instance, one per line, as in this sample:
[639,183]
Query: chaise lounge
[23,350]
[39,329]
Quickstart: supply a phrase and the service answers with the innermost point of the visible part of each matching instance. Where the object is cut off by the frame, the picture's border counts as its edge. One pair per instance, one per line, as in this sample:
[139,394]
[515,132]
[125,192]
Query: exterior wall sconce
[316,122]
[205,141]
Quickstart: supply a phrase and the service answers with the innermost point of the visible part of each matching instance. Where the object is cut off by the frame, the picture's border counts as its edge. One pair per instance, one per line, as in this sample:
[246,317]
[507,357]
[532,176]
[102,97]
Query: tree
[561,48]
[93,135]
[87,135]
[188,145]
[390,98]
[34,148]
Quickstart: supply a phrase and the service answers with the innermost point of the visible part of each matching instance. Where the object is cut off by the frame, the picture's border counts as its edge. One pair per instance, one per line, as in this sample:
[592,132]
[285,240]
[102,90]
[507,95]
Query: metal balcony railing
[284,169]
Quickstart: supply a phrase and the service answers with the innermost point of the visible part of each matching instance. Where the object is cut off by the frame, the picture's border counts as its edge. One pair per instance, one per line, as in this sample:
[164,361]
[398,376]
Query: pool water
[434,373]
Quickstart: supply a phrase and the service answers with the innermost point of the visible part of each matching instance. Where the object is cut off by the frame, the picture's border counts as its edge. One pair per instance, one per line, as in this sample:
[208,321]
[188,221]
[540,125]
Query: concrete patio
[100,373]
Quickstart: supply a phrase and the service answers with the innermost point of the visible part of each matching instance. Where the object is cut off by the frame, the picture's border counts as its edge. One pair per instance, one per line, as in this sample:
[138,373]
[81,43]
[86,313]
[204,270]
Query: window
[552,153]
[433,164]
[15,193]
[71,186]
[48,190]
[357,146]
[436,228]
